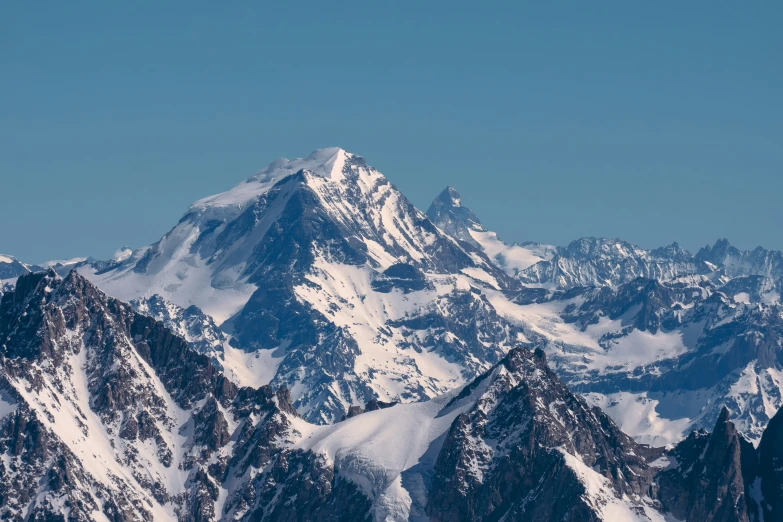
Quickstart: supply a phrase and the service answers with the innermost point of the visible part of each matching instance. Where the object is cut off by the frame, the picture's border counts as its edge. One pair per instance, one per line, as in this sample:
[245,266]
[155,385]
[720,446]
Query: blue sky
[652,122]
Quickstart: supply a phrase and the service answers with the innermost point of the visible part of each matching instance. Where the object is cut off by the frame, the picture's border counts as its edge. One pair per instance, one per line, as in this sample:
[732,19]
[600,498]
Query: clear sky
[649,121]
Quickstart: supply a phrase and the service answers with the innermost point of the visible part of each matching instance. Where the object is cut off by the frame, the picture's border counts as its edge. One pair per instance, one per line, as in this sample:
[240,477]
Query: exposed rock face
[643,303]
[11,268]
[453,218]
[406,278]
[301,486]
[372,405]
[739,263]
[712,476]
[41,476]
[694,343]
[721,476]
[523,451]
[193,325]
[754,289]
[115,413]
[770,470]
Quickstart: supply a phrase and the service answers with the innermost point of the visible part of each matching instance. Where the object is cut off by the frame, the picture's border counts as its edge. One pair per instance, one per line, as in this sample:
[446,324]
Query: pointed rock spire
[456,220]
[770,468]
[712,476]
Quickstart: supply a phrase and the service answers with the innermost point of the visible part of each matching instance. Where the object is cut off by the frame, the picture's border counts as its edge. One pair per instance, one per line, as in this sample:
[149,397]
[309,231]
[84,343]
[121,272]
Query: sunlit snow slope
[323,267]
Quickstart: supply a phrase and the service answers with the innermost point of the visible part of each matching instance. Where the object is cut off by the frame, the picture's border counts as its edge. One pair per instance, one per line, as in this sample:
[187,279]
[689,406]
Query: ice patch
[254,369]
[480,274]
[600,495]
[511,258]
[636,415]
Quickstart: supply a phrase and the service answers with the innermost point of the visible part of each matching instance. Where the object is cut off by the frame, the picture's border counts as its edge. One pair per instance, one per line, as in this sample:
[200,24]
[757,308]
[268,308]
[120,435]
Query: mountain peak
[724,417]
[594,246]
[447,212]
[736,262]
[326,154]
[673,250]
[11,268]
[450,196]
[327,163]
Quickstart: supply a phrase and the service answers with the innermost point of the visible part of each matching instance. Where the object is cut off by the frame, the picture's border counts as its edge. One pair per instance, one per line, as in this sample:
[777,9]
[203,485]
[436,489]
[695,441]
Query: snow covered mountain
[323,271]
[660,339]
[317,274]
[739,263]
[224,245]
[584,262]
[448,213]
[602,262]
[106,414]
[310,346]
[666,358]
[11,268]
[662,357]
[253,368]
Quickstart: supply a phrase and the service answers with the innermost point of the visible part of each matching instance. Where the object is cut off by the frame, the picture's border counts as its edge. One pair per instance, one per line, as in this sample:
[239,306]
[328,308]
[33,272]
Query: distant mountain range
[660,339]
[310,346]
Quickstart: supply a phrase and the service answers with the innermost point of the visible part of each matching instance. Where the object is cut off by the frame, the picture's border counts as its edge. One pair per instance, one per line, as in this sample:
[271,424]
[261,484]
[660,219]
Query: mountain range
[310,346]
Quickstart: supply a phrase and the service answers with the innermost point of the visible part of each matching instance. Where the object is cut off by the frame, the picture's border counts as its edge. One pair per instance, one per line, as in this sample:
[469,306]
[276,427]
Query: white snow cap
[327,163]
[121,254]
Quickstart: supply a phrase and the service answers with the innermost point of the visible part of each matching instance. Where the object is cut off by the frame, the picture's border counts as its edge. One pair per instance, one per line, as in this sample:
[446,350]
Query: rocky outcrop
[769,492]
[191,324]
[372,405]
[453,218]
[11,268]
[113,412]
[405,277]
[710,476]
[738,263]
[300,486]
[594,261]
[521,453]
